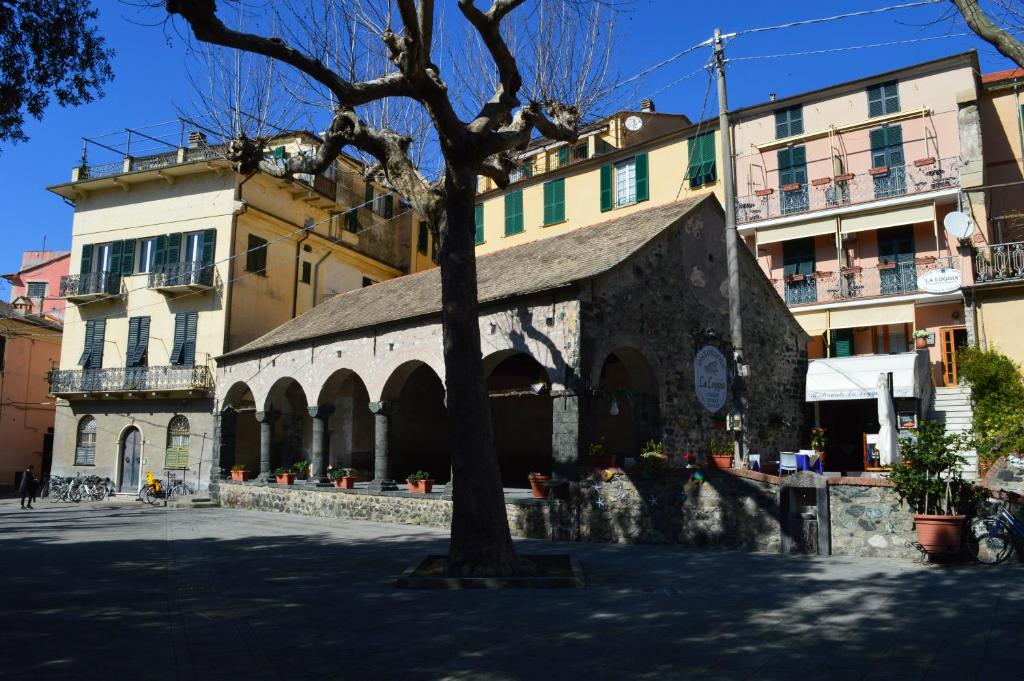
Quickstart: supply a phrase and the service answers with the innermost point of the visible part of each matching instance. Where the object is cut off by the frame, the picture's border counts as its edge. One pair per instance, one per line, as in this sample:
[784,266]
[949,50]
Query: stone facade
[868,519]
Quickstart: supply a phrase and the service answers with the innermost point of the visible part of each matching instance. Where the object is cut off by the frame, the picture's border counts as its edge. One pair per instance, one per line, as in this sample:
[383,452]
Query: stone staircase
[952,408]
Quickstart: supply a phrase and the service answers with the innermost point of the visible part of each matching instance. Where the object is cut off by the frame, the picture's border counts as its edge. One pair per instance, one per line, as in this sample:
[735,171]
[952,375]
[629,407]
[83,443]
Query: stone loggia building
[588,336]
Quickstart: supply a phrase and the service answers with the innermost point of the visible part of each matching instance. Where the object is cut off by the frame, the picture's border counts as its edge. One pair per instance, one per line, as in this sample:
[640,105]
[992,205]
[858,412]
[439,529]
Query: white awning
[856,378]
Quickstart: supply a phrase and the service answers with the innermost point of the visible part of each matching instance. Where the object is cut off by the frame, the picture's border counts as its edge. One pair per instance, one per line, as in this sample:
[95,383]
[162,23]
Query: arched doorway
[131,460]
[519,393]
[239,430]
[418,426]
[626,411]
[292,424]
[350,423]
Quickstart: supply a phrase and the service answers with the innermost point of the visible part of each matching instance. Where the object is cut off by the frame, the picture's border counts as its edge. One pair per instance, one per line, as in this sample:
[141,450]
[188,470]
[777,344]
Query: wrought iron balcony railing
[922,176]
[182,275]
[860,282]
[90,284]
[999,262]
[131,379]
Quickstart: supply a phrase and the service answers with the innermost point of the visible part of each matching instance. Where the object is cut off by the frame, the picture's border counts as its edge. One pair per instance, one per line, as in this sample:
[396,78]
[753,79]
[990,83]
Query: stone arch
[519,393]
[239,429]
[418,421]
[292,428]
[627,405]
[349,422]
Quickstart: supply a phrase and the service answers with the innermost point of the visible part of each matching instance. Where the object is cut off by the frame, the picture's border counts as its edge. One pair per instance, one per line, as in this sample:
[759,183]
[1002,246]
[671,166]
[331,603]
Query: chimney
[771,96]
[647,105]
[196,139]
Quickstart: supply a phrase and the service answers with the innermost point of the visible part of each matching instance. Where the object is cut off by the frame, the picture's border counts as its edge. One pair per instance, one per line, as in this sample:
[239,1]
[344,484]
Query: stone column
[382,481]
[568,432]
[320,445]
[266,420]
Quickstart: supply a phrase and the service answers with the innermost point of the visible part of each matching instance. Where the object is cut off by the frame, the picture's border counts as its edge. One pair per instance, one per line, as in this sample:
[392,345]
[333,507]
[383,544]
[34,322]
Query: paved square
[125,591]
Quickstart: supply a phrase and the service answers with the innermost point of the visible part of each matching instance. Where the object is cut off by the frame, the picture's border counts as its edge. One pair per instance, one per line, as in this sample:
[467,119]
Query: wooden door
[951,339]
[131,461]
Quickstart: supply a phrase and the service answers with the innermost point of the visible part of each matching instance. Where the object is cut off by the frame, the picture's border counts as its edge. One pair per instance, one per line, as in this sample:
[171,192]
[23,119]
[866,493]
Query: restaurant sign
[942,280]
[710,377]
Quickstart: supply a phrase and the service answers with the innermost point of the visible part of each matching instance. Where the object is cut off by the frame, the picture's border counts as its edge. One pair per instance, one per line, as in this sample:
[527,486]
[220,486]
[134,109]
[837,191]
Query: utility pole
[739,389]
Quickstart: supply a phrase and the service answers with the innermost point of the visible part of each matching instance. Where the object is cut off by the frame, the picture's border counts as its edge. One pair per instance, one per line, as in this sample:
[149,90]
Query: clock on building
[634,123]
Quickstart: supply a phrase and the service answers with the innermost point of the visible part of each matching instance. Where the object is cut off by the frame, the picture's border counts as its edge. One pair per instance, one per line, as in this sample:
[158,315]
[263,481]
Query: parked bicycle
[91,488]
[155,489]
[994,539]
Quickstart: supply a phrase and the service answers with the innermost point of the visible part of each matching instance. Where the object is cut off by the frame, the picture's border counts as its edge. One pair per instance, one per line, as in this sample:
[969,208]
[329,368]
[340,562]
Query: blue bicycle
[994,539]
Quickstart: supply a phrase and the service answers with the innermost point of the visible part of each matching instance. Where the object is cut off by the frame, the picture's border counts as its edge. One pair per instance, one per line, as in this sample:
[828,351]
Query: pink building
[35,287]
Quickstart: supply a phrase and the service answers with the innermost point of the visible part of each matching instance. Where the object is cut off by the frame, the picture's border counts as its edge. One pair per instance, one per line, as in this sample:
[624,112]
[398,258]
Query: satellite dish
[958,224]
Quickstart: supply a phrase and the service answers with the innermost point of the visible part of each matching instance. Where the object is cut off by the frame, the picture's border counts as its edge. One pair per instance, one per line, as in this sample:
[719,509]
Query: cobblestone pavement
[118,590]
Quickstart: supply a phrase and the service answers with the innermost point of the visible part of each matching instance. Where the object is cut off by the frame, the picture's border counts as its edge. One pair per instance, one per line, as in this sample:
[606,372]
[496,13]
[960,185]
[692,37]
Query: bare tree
[364,58]
[990,31]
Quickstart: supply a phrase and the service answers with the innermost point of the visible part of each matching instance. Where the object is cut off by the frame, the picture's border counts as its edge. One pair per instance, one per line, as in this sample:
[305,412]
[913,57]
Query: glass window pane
[625,182]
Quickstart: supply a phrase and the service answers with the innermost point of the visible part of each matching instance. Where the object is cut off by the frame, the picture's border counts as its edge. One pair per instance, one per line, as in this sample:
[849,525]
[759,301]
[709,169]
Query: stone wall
[868,519]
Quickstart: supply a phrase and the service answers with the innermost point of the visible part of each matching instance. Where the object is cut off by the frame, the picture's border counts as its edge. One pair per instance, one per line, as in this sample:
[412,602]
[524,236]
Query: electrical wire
[821,20]
[826,50]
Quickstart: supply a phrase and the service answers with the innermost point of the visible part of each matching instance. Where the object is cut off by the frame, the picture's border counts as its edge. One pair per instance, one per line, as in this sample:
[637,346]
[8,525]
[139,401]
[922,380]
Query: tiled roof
[1008,74]
[520,270]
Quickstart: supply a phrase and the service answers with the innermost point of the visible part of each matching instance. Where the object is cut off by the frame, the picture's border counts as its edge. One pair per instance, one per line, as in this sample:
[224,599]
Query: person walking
[27,487]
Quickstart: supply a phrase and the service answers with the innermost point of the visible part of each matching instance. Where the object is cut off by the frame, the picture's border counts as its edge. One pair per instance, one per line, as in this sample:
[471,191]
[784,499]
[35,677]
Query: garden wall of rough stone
[729,509]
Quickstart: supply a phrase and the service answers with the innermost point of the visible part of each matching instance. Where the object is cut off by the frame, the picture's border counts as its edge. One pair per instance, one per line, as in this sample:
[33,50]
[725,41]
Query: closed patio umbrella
[888,444]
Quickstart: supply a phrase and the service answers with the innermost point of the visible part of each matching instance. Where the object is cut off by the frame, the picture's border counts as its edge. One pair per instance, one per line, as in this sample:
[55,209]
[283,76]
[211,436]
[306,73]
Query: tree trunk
[481,544]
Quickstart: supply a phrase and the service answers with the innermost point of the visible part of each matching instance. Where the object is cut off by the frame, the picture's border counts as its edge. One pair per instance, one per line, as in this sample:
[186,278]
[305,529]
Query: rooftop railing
[999,262]
[848,283]
[884,182]
[131,379]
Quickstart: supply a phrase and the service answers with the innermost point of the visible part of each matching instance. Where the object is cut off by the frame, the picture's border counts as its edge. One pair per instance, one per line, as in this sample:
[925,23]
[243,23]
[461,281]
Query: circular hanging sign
[710,377]
[942,280]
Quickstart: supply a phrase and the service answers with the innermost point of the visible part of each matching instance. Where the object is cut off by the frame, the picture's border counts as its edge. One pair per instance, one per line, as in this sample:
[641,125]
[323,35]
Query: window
[522,172]
[478,217]
[92,353]
[380,203]
[887,150]
[176,455]
[256,255]
[842,343]
[307,272]
[562,154]
[36,289]
[883,99]
[102,260]
[85,443]
[701,164]
[193,243]
[554,201]
[798,264]
[147,255]
[137,354]
[789,122]
[423,238]
[513,213]
[793,174]
[352,221]
[580,152]
[624,183]
[183,353]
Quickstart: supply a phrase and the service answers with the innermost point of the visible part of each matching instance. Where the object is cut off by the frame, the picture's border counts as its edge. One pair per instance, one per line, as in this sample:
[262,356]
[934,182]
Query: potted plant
[721,450]
[540,484]
[929,478]
[285,476]
[301,468]
[599,455]
[921,339]
[342,478]
[239,473]
[420,481]
[653,459]
[819,440]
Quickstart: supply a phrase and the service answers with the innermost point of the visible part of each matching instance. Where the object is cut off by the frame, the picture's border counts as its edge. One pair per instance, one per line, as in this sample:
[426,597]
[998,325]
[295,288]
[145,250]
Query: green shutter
[128,257]
[369,195]
[191,328]
[99,331]
[606,188]
[842,343]
[388,205]
[642,184]
[209,246]
[876,106]
[554,201]
[160,252]
[701,159]
[423,238]
[798,256]
[86,259]
[116,249]
[478,217]
[177,350]
[279,153]
[90,330]
[352,221]
[513,213]
[883,99]
[133,340]
[173,248]
[563,156]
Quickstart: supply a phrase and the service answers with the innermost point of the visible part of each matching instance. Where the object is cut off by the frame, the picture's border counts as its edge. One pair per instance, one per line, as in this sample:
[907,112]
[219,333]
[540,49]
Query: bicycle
[994,539]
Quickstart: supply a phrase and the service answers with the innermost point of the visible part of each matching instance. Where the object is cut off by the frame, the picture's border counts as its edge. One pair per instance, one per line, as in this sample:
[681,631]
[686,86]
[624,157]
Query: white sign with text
[942,280]
[710,377]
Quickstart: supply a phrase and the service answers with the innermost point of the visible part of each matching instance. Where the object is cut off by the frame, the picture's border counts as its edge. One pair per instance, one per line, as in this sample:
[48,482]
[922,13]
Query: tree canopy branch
[991,32]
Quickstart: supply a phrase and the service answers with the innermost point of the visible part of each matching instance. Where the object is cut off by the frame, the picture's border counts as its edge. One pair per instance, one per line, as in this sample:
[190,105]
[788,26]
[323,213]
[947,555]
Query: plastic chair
[755,462]
[787,462]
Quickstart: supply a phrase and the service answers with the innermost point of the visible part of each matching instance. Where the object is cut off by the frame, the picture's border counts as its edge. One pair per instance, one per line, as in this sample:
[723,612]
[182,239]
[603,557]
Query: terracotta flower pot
[939,533]
[921,343]
[845,177]
[286,479]
[421,486]
[879,170]
[241,476]
[721,460]
[346,482]
[540,486]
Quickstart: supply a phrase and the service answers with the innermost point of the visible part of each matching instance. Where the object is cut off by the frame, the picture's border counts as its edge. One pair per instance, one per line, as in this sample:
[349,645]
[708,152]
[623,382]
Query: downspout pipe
[240,207]
[316,274]
[295,279]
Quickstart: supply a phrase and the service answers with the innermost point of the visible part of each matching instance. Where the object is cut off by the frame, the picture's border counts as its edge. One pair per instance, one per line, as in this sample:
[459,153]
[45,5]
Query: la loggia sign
[942,280]
[710,377]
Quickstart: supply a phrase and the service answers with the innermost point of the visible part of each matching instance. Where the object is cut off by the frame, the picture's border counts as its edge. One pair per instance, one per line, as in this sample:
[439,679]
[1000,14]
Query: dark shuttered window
[478,216]
[138,342]
[789,122]
[183,352]
[883,99]
[92,352]
[554,201]
[256,255]
[513,213]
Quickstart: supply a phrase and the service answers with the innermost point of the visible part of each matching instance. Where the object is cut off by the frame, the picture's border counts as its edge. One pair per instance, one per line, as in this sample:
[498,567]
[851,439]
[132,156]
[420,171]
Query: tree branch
[488,24]
[990,32]
[561,125]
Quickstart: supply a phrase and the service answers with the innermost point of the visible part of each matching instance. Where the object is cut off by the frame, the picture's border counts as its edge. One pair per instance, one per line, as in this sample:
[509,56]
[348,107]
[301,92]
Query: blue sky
[151,82]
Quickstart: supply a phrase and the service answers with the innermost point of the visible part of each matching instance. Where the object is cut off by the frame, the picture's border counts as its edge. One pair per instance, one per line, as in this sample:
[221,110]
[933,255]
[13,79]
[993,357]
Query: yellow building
[622,163]
[177,259]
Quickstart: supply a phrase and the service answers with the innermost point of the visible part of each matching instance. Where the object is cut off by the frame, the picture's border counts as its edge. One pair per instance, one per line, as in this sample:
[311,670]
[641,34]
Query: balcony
[920,177]
[999,262]
[90,286]
[853,283]
[182,276]
[122,380]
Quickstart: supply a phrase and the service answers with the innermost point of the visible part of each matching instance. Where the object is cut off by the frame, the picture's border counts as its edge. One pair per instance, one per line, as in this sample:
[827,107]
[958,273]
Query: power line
[821,20]
[655,67]
[849,48]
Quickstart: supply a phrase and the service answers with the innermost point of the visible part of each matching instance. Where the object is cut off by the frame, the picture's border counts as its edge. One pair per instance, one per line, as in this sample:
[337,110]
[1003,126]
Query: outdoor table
[808,460]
